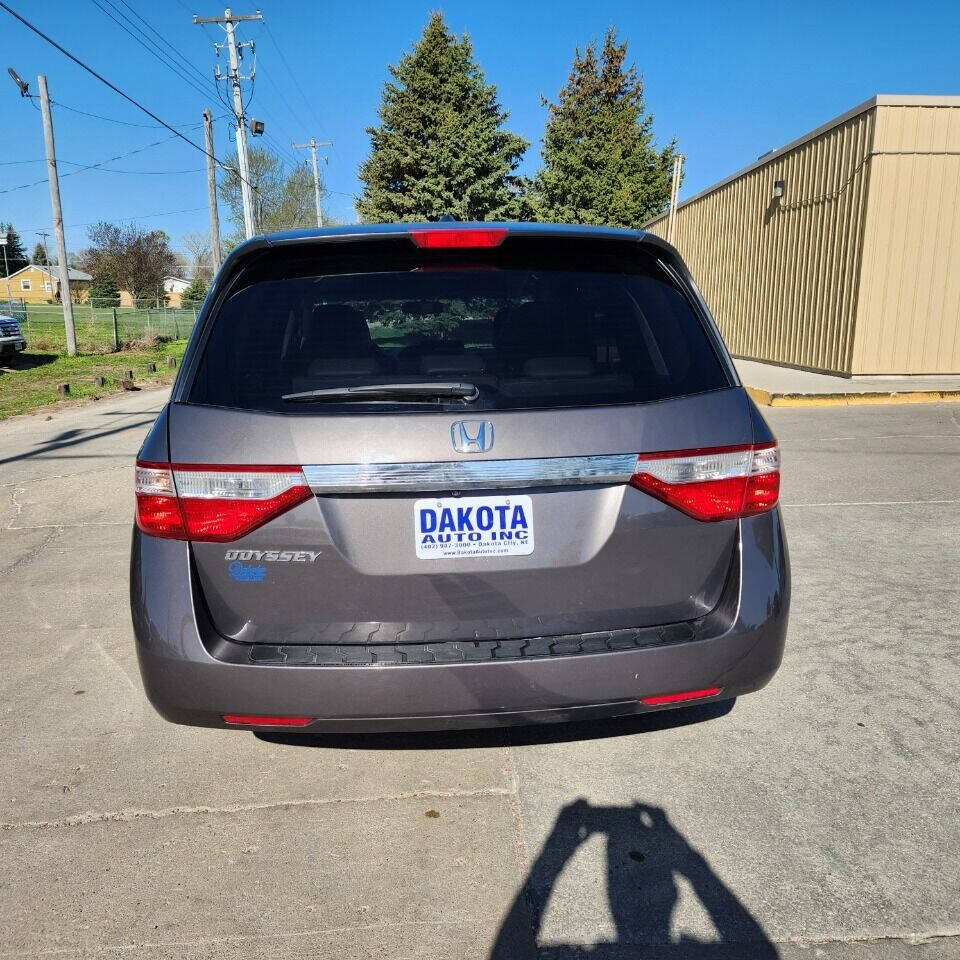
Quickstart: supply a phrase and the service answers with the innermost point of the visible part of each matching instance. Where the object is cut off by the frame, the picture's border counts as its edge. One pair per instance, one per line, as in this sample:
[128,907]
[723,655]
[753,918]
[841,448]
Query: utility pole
[229,19]
[6,268]
[212,190]
[57,217]
[674,190]
[46,246]
[312,147]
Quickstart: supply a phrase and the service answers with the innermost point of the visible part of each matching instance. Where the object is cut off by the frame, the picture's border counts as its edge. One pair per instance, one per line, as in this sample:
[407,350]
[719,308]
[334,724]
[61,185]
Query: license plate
[447,527]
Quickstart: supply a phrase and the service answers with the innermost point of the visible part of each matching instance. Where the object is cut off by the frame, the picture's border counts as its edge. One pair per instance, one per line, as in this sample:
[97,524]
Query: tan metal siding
[908,318]
[781,277]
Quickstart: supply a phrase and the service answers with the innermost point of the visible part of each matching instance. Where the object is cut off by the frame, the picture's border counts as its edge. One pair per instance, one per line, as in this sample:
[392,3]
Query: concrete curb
[767,399]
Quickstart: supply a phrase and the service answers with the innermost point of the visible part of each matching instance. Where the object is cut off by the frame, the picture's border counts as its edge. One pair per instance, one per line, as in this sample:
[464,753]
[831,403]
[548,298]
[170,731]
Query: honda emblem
[472,436]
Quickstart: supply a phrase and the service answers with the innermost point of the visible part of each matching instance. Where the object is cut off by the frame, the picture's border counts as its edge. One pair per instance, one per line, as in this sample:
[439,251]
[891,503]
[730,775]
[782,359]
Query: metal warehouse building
[840,251]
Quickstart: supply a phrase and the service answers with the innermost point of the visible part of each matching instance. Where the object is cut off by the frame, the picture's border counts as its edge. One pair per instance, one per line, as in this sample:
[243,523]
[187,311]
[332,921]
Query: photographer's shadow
[645,857]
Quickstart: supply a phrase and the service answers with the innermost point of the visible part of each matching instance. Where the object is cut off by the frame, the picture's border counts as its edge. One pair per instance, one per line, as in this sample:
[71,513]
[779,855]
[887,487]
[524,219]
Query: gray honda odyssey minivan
[454,475]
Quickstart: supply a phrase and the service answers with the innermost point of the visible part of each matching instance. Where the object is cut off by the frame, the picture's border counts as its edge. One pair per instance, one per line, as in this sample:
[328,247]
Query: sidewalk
[773,385]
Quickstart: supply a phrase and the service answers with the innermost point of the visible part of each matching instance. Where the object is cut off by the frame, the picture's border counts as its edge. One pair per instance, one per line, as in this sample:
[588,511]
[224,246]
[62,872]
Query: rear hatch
[467,418]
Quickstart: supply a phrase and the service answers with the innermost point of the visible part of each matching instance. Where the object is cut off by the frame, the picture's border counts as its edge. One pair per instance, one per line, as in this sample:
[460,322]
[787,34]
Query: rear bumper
[737,647]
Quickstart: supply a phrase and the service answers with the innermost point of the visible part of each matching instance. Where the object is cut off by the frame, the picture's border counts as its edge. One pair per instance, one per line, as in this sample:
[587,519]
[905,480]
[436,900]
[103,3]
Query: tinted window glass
[534,324]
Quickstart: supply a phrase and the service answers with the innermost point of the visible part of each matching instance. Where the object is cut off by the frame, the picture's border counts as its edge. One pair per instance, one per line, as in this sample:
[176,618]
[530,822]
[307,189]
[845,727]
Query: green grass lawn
[29,380]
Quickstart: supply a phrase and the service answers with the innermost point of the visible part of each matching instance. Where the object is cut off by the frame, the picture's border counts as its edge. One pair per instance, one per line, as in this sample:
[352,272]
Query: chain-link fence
[15,309]
[102,328]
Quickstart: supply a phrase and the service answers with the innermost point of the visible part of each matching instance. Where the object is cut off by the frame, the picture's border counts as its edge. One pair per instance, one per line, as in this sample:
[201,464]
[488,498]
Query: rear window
[531,324]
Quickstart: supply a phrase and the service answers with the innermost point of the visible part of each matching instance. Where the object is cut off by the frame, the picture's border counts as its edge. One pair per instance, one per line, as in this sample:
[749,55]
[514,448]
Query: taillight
[720,483]
[186,501]
[443,238]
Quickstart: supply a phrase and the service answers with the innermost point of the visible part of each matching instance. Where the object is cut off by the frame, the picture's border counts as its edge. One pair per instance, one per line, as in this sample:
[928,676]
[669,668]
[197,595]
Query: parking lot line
[868,503]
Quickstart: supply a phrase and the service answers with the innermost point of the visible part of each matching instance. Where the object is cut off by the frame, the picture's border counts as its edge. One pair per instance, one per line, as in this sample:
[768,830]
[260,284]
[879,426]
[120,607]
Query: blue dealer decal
[244,574]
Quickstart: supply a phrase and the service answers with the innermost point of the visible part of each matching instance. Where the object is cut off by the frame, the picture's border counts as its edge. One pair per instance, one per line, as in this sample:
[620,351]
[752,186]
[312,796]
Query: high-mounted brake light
[720,483]
[213,502]
[458,239]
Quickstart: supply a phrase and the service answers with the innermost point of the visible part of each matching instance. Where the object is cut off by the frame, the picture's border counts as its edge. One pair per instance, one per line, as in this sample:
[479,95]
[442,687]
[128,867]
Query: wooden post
[116,332]
[212,190]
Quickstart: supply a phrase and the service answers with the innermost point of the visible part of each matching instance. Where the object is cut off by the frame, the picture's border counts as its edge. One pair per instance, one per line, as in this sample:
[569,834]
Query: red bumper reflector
[458,239]
[247,720]
[666,698]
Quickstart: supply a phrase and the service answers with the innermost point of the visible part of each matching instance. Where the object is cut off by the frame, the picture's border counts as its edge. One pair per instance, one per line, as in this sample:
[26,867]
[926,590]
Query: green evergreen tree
[195,293]
[440,147]
[600,163]
[40,254]
[103,291]
[16,252]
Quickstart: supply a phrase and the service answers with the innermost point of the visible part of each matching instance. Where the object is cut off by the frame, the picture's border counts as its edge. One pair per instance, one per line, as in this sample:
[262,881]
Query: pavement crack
[17,506]
[913,939]
[64,476]
[73,526]
[33,552]
[521,851]
[131,815]
[141,945]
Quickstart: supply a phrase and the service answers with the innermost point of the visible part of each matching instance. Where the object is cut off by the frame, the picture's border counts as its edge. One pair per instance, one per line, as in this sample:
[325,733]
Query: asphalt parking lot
[817,818]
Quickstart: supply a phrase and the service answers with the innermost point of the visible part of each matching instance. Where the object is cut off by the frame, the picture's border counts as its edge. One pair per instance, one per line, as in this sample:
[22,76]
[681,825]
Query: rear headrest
[344,366]
[452,363]
[532,315]
[335,328]
[554,368]
[544,328]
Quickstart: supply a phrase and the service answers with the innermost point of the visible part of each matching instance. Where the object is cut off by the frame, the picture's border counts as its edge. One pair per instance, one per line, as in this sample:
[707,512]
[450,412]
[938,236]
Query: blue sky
[727,80]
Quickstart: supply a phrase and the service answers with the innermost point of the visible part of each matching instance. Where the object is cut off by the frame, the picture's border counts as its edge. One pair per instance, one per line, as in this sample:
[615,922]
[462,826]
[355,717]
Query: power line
[145,173]
[140,36]
[89,166]
[189,63]
[103,80]
[192,13]
[310,104]
[286,103]
[126,123]
[144,216]
[151,47]
[160,122]
[281,151]
[296,82]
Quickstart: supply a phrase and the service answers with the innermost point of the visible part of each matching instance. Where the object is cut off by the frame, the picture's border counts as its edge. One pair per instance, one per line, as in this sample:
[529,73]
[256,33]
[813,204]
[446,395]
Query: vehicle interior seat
[336,340]
[535,332]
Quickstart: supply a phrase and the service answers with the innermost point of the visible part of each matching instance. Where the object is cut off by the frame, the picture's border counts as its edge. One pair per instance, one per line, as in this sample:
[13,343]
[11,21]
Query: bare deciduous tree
[135,260]
[281,200]
[197,260]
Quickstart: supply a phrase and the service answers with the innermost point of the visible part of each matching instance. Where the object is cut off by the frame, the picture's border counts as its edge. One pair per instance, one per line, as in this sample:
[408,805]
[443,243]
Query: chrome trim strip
[469,474]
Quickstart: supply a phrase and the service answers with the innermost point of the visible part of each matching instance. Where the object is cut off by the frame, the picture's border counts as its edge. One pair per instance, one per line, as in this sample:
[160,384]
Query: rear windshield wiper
[423,392]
